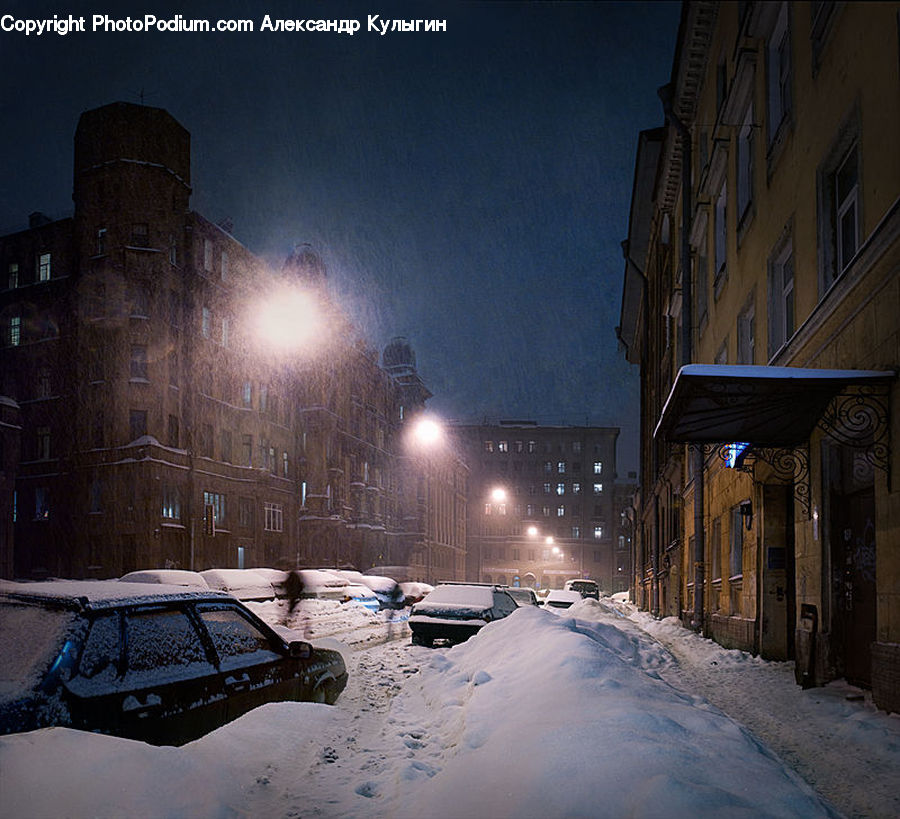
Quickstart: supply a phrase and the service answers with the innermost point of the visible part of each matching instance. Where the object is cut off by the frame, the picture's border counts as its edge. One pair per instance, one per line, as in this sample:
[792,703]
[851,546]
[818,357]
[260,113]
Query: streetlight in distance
[427,432]
[498,494]
[531,531]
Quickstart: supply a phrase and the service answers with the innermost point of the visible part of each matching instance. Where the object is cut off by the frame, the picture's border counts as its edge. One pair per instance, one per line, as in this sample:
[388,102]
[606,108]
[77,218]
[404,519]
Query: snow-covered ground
[598,711]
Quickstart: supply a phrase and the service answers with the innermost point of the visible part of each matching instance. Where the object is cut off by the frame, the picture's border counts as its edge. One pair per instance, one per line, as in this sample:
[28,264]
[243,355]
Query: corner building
[760,300]
[542,504]
[146,422]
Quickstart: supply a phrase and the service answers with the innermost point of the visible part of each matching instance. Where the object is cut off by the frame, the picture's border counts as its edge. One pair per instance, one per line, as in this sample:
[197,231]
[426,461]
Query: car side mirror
[299,649]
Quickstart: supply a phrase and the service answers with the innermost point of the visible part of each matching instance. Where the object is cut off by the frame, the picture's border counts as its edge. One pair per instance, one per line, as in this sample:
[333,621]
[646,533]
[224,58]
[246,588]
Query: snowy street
[598,712]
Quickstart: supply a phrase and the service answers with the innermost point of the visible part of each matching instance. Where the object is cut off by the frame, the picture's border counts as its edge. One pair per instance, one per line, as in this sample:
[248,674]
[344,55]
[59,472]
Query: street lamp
[498,494]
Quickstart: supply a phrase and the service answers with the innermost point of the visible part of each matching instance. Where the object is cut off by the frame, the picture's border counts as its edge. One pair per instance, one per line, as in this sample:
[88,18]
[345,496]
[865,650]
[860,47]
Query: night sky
[468,190]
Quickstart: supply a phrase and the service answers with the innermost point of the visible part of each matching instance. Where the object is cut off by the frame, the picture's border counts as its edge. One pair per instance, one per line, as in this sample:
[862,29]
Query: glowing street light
[498,494]
[427,432]
[531,531]
[289,320]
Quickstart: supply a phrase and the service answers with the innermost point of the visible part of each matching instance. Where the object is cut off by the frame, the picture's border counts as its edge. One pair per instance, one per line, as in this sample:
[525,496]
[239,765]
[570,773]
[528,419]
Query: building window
[285,465]
[217,501]
[701,282]
[520,446]
[745,334]
[206,440]
[781,297]
[576,447]
[745,165]
[274,517]
[137,422]
[44,267]
[207,255]
[598,467]
[576,488]
[95,503]
[140,235]
[138,362]
[546,511]
[247,394]
[598,532]
[598,488]
[529,510]
[225,444]
[171,502]
[100,245]
[502,446]
[488,446]
[736,559]
[560,489]
[778,73]
[721,234]
[12,279]
[576,531]
[532,447]
[14,331]
[42,444]
[224,265]
[560,511]
[548,467]
[547,488]
[245,513]
[846,186]
[715,550]
[173,431]
[488,509]
[205,322]
[41,503]
[247,450]
[561,467]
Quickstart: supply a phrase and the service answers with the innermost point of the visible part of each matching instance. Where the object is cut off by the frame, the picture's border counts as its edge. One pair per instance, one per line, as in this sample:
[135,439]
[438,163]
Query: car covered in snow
[585,587]
[455,611]
[244,584]
[561,599]
[414,591]
[170,577]
[162,664]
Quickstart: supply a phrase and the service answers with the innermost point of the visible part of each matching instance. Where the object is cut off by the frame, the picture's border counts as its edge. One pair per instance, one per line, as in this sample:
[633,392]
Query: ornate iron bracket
[788,465]
[859,417]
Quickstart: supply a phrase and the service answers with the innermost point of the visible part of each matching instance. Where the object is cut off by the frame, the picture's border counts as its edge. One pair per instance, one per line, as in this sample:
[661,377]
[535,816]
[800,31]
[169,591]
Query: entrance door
[852,537]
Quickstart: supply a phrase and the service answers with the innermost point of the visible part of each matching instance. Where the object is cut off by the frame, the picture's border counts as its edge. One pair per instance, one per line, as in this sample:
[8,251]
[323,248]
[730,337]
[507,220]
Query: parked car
[456,611]
[361,595]
[586,588]
[171,577]
[276,577]
[244,584]
[561,598]
[383,587]
[150,662]
[523,595]
[414,591]
[323,584]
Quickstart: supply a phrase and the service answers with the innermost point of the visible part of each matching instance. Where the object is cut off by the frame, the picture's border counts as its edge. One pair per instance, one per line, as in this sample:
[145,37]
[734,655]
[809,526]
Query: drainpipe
[695,451]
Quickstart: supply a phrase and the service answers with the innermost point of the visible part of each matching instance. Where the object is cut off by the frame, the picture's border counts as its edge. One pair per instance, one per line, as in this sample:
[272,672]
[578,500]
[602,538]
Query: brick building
[161,421]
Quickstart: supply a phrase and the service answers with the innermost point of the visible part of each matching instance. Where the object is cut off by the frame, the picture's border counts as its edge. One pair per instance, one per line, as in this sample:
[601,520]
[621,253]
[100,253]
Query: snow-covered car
[360,595]
[414,591]
[383,587]
[323,585]
[170,577]
[276,577]
[561,599]
[162,664]
[586,588]
[455,611]
[244,584]
[523,595]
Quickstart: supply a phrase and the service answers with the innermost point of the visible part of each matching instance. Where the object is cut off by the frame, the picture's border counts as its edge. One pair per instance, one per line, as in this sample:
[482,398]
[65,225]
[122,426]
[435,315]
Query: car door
[255,668]
[145,673]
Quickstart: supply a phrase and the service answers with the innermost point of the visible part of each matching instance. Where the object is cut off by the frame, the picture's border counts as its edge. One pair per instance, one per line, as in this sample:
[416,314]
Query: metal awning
[760,405]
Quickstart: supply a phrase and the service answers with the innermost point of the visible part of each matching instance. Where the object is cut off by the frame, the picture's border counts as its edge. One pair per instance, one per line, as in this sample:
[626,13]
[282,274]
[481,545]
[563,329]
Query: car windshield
[472,596]
[31,638]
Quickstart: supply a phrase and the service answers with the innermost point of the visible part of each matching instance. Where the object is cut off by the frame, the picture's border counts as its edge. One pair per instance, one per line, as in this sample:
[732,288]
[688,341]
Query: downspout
[695,452]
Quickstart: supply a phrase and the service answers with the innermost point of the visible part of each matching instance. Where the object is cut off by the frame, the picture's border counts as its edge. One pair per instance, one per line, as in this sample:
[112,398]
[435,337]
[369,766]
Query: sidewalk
[833,737]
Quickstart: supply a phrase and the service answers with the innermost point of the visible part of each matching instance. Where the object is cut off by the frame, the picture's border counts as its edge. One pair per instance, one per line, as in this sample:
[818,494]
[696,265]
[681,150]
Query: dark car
[156,663]
[455,611]
[586,588]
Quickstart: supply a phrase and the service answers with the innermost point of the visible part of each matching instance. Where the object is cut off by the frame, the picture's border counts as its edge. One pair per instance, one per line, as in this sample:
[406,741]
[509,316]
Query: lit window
[598,488]
[502,446]
[560,489]
[598,532]
[488,446]
[171,503]
[576,531]
[560,511]
[44,267]
[548,467]
[561,467]
[576,488]
[247,394]
[14,336]
[488,509]
[41,503]
[532,446]
[217,501]
[598,467]
[12,280]
[285,465]
[547,489]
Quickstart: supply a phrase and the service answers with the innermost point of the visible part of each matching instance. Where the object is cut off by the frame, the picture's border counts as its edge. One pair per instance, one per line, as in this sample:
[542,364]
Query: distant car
[244,584]
[150,662]
[586,588]
[276,577]
[361,595]
[561,599]
[323,585]
[414,591]
[454,612]
[523,596]
[171,577]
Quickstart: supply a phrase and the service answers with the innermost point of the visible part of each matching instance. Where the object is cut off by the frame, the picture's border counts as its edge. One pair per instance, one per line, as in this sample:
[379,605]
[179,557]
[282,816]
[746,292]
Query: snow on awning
[760,405]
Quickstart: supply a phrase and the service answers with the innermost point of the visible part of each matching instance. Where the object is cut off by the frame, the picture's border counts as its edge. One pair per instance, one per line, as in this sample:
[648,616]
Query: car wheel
[320,695]
[419,640]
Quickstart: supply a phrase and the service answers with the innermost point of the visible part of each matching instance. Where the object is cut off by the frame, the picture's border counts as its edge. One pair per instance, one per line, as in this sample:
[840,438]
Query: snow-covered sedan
[455,611]
[561,599]
[157,663]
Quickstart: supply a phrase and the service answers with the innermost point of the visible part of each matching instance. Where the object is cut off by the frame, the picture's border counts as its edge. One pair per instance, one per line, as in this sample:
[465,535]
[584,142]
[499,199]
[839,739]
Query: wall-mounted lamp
[747,514]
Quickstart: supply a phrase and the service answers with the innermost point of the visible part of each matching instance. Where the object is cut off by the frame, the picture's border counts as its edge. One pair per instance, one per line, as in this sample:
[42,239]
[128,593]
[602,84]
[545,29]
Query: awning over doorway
[760,405]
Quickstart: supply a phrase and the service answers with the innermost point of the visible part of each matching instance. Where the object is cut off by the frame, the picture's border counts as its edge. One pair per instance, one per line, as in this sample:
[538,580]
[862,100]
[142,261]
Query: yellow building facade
[769,382]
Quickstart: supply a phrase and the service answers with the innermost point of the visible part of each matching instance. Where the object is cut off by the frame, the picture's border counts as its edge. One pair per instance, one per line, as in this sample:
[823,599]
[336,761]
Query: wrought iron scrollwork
[860,418]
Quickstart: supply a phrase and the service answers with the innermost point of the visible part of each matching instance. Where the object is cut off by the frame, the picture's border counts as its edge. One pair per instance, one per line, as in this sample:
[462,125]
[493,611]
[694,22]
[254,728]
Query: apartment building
[760,300]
